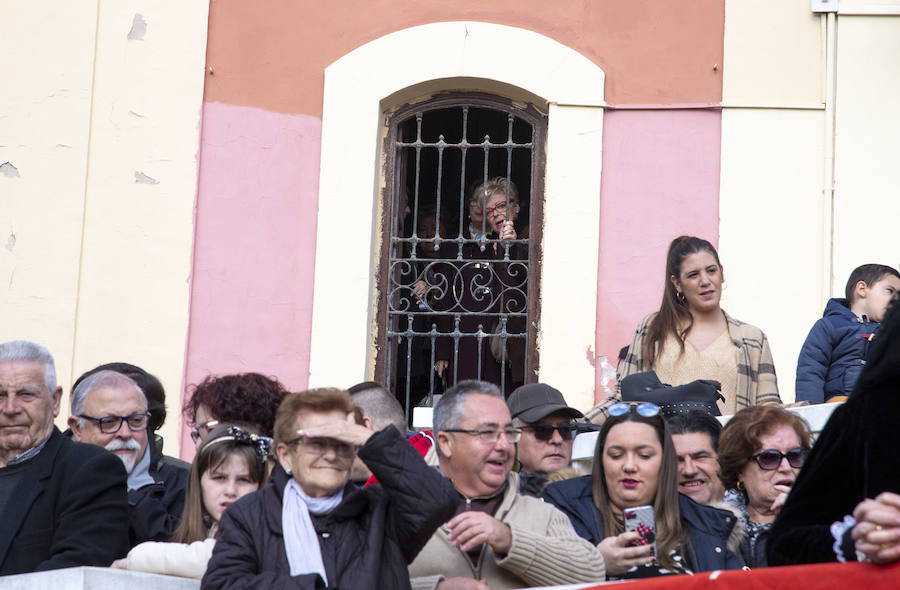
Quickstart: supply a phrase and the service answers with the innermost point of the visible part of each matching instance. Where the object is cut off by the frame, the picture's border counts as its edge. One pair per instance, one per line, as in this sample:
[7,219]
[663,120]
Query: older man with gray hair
[62,503]
[110,410]
[498,538]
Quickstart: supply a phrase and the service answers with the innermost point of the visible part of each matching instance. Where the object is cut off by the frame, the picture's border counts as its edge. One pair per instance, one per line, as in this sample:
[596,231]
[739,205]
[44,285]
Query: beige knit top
[717,361]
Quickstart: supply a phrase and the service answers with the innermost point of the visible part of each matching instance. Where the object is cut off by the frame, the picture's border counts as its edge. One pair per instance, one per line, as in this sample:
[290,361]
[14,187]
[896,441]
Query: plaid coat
[756,370]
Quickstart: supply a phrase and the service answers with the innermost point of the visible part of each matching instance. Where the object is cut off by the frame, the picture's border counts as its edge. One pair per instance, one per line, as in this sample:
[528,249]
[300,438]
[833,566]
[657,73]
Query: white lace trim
[838,529]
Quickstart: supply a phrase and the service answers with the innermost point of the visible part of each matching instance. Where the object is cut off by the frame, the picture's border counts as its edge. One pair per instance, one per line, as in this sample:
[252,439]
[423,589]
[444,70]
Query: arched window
[454,292]
[363,90]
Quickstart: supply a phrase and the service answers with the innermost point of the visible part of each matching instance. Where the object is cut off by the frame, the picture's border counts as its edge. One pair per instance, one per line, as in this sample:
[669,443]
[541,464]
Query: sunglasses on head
[544,432]
[645,409]
[770,459]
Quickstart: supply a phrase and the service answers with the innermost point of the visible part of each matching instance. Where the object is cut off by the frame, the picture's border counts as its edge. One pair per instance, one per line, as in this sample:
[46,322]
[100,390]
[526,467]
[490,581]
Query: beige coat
[545,550]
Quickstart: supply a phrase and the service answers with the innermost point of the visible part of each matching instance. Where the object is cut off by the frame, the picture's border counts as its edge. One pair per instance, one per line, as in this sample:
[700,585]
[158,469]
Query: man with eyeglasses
[62,503]
[498,538]
[547,433]
[110,410]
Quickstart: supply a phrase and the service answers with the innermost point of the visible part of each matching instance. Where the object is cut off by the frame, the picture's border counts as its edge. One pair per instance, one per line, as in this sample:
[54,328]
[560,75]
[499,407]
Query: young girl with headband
[230,464]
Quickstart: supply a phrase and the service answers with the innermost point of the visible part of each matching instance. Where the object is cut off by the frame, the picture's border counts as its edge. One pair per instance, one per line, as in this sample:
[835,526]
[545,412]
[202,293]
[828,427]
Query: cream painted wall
[571,225]
[101,265]
[44,129]
[773,162]
[772,180]
[773,53]
[355,86]
[867,195]
[770,241]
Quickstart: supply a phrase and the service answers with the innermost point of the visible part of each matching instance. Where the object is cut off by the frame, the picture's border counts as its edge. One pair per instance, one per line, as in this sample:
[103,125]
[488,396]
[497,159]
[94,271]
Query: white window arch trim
[351,182]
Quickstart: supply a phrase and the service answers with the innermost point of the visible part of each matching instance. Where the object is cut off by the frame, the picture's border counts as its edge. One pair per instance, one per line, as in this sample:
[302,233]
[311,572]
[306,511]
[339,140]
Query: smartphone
[641,520]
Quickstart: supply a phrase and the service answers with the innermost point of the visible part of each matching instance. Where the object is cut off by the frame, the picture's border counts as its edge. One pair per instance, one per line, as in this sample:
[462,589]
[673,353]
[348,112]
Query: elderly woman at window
[480,288]
[761,451]
[310,527]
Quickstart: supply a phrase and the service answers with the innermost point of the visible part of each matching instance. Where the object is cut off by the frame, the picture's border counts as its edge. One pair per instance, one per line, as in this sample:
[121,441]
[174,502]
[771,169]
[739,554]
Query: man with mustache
[62,503]
[110,410]
[498,538]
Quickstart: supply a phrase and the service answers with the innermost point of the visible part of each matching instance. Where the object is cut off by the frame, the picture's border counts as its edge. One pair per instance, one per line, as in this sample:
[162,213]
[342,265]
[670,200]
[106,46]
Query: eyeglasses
[645,409]
[112,424]
[319,446]
[501,207]
[201,430]
[491,436]
[770,459]
[544,432]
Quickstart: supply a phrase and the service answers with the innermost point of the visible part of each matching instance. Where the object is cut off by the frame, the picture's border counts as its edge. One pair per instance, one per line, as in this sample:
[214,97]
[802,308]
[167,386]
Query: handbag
[701,394]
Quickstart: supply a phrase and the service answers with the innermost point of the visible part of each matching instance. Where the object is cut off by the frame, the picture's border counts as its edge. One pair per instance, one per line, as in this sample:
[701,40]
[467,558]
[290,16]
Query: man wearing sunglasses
[547,434]
[110,410]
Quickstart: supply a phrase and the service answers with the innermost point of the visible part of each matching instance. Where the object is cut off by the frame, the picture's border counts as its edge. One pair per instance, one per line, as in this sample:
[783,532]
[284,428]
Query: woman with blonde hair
[484,291]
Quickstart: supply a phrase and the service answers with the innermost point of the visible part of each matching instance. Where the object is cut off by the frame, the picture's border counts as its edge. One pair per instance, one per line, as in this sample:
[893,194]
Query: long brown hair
[670,531]
[673,311]
[219,444]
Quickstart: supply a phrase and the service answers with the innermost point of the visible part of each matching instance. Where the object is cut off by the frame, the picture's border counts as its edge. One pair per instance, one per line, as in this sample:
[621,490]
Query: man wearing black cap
[547,433]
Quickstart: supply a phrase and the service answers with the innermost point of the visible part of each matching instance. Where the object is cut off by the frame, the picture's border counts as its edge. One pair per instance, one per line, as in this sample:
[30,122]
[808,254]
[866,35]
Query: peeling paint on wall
[141,178]
[9,170]
[11,242]
[591,357]
[138,29]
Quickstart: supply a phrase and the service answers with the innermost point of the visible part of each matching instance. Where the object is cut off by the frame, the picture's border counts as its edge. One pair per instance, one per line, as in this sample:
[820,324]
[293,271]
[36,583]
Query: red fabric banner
[823,576]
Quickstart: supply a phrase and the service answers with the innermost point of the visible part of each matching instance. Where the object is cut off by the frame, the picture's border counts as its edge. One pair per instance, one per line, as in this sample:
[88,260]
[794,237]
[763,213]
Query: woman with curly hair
[249,400]
[761,451]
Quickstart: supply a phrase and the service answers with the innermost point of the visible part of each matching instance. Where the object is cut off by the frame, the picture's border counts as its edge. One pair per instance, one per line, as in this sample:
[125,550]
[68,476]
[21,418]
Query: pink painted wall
[660,180]
[254,250]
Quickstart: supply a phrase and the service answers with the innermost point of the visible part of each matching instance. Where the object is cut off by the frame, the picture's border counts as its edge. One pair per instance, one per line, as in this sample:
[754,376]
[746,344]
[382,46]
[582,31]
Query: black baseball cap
[534,401]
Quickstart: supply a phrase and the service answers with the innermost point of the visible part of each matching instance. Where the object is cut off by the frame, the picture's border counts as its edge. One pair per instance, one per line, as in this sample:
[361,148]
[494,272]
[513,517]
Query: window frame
[449,99]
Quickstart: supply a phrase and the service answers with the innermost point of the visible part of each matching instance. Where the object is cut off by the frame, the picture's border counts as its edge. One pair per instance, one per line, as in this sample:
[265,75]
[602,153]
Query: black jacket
[68,510]
[366,542]
[708,527]
[156,508]
[855,457]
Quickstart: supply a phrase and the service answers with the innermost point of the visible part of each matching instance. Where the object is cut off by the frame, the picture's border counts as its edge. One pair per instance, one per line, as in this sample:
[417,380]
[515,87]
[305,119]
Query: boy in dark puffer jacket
[836,348]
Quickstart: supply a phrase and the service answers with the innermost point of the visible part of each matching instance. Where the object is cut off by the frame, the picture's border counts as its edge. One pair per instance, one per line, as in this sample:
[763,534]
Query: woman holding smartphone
[635,465]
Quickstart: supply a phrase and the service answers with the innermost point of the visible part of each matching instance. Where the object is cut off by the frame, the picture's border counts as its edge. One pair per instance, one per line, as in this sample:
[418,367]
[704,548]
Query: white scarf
[300,540]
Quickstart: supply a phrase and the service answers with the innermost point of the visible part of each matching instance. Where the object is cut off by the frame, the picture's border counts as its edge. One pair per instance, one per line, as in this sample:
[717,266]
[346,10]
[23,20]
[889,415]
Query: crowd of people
[327,488]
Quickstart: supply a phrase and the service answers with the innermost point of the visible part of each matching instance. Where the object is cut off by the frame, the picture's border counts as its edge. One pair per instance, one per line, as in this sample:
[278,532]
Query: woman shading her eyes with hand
[310,527]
